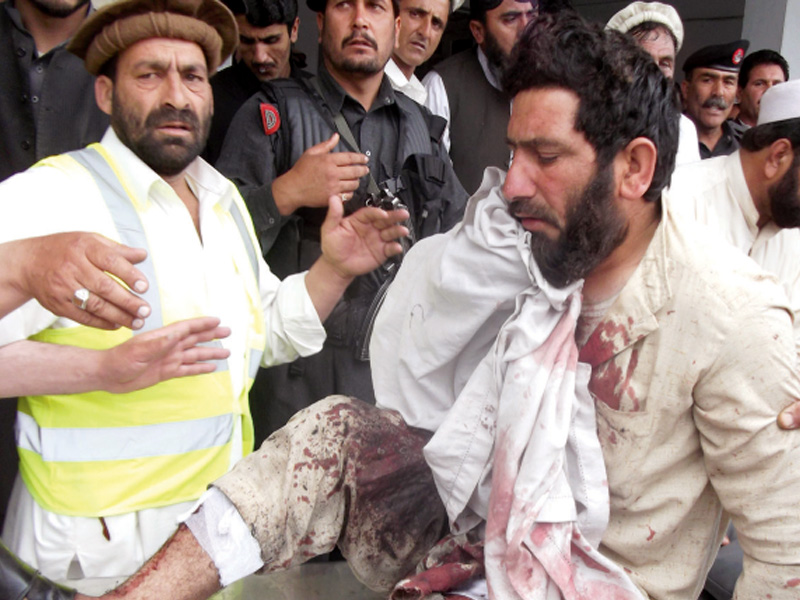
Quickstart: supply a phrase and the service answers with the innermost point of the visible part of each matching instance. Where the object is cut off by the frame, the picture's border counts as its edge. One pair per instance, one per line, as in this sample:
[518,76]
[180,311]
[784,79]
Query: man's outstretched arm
[31,368]
[180,570]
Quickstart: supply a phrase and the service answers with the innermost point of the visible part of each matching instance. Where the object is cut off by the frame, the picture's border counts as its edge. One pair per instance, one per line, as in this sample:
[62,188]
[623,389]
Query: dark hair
[479,8]
[759,137]
[640,32]
[622,92]
[263,13]
[109,68]
[761,57]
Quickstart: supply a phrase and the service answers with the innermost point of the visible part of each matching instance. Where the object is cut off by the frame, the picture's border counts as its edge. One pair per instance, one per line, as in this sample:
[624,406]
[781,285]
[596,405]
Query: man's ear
[103,93]
[634,167]
[478,32]
[778,160]
[320,24]
[294,30]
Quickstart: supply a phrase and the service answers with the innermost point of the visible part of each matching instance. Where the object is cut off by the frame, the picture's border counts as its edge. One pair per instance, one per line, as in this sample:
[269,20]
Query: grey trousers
[341,473]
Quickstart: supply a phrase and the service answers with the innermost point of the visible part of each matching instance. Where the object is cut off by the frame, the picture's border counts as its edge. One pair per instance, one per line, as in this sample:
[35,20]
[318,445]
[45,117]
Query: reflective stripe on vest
[97,454]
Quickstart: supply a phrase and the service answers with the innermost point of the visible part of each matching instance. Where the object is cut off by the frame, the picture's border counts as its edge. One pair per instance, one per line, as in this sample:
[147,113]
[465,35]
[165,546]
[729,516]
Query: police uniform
[267,136]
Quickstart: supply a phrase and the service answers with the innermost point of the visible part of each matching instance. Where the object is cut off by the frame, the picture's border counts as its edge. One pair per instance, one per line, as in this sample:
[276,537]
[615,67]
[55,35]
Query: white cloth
[412,88]
[46,200]
[514,442]
[714,193]
[223,534]
[437,101]
[688,145]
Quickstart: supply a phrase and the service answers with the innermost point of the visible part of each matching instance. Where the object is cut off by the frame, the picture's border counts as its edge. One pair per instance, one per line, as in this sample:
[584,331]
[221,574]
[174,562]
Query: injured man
[577,391]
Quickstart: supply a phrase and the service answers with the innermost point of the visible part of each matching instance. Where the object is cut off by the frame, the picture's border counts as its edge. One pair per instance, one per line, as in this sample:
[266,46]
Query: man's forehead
[440,8]
[713,73]
[759,71]
[514,6]
[163,51]
[544,113]
[249,30]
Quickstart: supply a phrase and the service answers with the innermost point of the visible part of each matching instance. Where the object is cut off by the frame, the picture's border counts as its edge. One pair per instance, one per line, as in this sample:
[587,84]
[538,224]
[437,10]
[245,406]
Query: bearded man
[691,355]
[465,89]
[750,198]
[104,476]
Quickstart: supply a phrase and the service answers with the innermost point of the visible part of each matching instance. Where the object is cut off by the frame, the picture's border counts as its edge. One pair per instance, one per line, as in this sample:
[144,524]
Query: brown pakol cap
[119,25]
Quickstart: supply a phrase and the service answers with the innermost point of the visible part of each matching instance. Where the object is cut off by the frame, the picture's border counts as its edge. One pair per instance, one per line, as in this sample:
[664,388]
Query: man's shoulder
[457,63]
[705,269]
[693,179]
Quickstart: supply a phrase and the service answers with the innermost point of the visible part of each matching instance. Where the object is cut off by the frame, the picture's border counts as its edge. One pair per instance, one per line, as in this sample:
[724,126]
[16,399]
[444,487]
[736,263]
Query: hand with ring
[73,275]
[80,298]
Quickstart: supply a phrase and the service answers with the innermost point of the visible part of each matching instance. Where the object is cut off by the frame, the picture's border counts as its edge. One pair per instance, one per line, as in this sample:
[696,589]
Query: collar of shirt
[491,76]
[334,95]
[144,184]
[412,88]
[727,144]
[632,315]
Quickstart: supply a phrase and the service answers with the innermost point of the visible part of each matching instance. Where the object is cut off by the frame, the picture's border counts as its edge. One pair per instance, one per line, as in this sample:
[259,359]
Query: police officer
[709,90]
[287,153]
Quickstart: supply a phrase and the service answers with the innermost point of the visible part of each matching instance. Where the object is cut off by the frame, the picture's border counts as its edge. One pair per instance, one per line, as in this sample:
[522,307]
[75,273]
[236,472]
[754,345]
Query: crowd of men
[496,344]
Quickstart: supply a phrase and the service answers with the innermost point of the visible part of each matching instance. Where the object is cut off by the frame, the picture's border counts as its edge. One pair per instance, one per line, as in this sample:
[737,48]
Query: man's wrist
[282,195]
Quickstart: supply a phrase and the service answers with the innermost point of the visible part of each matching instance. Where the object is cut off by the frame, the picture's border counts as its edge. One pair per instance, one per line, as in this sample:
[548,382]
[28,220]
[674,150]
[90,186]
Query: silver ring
[80,298]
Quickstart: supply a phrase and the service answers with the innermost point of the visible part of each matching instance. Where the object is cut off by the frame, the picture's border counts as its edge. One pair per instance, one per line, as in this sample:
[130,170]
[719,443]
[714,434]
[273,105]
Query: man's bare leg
[180,570]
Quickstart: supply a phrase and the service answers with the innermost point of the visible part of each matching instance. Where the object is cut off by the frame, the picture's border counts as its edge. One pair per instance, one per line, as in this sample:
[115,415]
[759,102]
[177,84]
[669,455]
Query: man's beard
[167,156]
[593,229]
[498,60]
[783,199]
[59,10]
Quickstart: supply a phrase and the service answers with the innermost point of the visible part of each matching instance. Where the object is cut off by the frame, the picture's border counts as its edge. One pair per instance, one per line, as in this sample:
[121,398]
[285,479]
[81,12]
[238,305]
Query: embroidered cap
[780,102]
[119,25]
[723,57]
[637,13]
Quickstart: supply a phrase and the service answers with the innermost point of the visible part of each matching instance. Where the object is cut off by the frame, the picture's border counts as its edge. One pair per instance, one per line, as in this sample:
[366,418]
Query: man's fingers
[353,159]
[324,147]
[351,174]
[335,214]
[203,353]
[395,232]
[789,418]
[83,317]
[114,300]
[119,260]
[380,218]
[105,298]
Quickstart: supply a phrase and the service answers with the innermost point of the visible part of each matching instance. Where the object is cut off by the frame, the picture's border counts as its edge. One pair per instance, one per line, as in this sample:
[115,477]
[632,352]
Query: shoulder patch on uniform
[269,118]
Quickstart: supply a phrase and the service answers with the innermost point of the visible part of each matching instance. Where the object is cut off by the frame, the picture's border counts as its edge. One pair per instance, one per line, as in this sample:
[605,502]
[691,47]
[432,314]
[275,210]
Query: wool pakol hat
[637,13]
[119,25]
[780,103]
[319,5]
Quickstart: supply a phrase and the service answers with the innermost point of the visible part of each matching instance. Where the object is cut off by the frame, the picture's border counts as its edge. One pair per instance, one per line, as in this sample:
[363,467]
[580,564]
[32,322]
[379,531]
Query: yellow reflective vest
[101,454]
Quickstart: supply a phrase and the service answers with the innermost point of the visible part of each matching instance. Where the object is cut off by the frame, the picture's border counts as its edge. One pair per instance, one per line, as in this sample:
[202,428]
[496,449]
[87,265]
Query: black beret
[725,57]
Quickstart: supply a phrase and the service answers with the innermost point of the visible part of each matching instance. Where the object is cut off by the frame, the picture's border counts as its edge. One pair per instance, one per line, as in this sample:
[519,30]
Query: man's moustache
[716,102]
[524,208]
[168,114]
[360,36]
